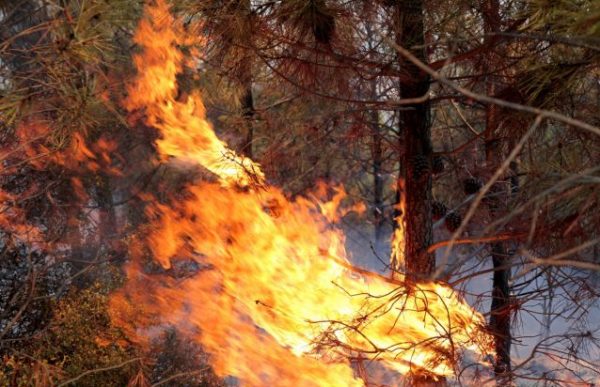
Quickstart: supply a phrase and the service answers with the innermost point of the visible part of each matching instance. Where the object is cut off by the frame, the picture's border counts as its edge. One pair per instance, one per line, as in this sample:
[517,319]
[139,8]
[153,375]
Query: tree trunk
[248,111]
[500,313]
[377,160]
[415,139]
[500,308]
[244,75]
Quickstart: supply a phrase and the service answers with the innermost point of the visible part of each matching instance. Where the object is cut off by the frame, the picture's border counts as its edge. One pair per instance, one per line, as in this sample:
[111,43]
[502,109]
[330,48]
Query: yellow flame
[185,132]
[274,299]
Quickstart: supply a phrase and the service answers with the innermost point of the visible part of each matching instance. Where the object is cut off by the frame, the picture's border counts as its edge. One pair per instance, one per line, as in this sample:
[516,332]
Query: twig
[487,99]
[97,370]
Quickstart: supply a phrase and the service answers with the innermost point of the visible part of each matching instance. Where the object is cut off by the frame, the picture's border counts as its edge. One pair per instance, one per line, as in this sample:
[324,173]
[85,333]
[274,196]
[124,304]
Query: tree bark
[500,313]
[415,139]
[248,111]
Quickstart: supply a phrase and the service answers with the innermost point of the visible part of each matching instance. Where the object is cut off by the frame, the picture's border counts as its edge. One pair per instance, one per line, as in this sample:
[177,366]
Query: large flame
[272,296]
[186,133]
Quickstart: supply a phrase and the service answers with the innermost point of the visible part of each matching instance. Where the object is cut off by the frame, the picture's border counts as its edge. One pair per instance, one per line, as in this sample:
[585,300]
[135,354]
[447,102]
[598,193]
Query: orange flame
[186,134]
[77,155]
[14,221]
[398,238]
[29,148]
[272,295]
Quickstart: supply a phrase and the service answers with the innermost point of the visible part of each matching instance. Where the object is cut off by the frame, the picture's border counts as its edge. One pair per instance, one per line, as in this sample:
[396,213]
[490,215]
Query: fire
[270,294]
[77,155]
[30,149]
[186,134]
[398,240]
[13,221]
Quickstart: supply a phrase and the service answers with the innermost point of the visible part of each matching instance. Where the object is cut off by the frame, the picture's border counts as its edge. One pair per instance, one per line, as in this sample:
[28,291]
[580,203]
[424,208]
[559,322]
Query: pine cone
[438,210]
[471,185]
[420,167]
[453,221]
[437,165]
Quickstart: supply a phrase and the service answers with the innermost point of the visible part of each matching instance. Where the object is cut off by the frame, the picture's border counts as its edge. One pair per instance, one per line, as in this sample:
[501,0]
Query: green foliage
[79,338]
[569,17]
[62,61]
[539,87]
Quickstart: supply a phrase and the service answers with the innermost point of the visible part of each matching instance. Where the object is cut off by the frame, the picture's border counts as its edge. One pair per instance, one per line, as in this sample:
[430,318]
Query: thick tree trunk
[500,313]
[415,139]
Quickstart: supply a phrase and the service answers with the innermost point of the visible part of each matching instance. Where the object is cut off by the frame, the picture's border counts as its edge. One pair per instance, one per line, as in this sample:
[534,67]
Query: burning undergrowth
[271,294]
